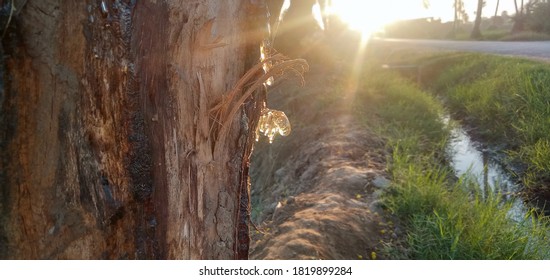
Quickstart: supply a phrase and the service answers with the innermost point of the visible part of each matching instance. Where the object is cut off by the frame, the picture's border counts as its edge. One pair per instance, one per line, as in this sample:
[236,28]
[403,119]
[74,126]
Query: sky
[370,15]
[406,9]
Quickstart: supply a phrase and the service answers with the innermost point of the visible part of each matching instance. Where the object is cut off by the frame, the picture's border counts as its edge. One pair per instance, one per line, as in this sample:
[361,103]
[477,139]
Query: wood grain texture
[106,133]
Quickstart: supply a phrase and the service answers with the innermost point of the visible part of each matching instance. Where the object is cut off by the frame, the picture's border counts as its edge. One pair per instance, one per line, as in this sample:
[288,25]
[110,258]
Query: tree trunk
[519,18]
[476,32]
[107,138]
[456,5]
[496,19]
[297,24]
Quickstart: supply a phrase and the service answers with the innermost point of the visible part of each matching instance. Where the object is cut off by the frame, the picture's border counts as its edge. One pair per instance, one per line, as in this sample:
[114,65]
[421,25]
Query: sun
[370,17]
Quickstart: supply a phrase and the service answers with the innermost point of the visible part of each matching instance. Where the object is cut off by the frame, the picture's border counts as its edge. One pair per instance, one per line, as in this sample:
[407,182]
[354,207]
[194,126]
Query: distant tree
[537,19]
[460,15]
[524,12]
[495,17]
[296,25]
[476,32]
[519,18]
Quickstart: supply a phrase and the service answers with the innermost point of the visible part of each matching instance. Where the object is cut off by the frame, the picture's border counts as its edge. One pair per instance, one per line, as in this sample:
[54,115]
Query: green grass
[444,219]
[525,36]
[405,109]
[495,34]
[507,101]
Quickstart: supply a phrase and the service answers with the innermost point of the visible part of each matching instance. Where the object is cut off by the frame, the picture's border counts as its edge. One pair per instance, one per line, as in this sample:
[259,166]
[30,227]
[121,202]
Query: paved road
[534,50]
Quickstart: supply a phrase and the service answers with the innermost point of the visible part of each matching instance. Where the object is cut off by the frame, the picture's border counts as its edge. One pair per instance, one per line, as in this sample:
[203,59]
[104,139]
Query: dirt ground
[316,193]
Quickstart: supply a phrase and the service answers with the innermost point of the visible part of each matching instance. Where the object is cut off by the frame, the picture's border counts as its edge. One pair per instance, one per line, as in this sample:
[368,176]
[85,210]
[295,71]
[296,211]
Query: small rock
[381,182]
[290,200]
[376,205]
[277,211]
[272,206]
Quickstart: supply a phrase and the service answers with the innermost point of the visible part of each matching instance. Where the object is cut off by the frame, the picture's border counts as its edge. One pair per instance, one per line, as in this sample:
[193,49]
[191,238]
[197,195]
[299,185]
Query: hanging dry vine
[273,67]
[270,122]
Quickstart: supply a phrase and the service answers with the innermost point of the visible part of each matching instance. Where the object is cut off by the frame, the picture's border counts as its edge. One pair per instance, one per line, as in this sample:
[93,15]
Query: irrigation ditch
[366,174]
[474,154]
[483,198]
[480,163]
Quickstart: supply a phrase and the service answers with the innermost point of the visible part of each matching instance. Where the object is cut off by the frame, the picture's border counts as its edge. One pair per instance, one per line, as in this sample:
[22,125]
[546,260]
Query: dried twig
[229,107]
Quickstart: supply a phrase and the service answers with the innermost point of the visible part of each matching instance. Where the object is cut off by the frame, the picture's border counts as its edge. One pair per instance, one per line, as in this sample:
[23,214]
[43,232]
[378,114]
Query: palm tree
[476,32]
[519,18]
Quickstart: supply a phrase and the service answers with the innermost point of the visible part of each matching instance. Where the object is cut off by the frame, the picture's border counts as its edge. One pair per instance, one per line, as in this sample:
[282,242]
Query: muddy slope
[315,193]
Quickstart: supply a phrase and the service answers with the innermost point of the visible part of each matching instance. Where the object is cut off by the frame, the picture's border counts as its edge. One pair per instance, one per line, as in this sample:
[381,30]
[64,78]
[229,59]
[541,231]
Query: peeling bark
[106,140]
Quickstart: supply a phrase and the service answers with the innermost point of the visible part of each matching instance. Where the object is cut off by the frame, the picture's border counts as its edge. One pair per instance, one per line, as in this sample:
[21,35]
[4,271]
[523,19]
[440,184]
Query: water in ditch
[470,159]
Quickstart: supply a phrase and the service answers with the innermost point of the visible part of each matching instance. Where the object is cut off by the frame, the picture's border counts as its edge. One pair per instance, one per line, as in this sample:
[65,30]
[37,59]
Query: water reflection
[472,160]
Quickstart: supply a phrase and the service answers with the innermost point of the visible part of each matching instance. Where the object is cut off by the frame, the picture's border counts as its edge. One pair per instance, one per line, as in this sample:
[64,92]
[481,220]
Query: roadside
[534,50]
[365,175]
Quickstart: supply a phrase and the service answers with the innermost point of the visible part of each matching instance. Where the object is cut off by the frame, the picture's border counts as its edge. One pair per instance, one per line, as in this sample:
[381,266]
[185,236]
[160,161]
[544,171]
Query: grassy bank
[443,218]
[508,102]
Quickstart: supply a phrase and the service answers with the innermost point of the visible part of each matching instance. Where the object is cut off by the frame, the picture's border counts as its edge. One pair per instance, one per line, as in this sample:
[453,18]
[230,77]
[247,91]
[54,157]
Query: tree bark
[108,140]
